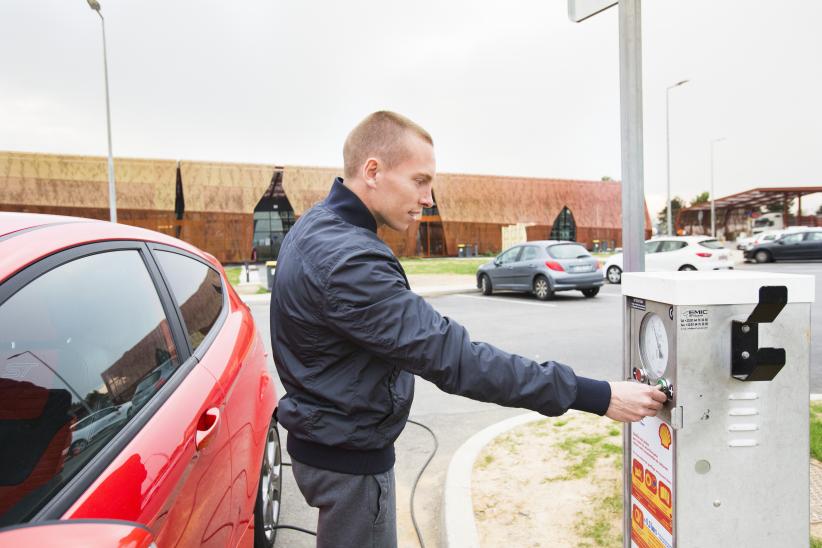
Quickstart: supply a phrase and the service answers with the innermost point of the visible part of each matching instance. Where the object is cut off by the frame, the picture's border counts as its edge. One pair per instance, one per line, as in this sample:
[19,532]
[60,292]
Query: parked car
[97,423]
[676,253]
[794,245]
[767,236]
[95,316]
[542,268]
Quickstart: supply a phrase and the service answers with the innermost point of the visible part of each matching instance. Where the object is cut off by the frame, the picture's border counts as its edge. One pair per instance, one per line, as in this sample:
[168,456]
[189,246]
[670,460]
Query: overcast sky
[508,88]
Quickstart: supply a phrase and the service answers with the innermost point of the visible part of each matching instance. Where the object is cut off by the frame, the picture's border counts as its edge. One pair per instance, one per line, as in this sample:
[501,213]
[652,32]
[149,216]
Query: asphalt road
[583,333]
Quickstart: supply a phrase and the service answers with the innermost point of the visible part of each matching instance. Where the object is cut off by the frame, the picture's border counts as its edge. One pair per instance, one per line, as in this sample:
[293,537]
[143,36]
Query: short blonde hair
[381,135]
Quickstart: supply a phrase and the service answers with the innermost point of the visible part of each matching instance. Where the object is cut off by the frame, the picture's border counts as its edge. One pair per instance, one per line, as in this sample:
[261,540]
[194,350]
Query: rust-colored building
[240,211]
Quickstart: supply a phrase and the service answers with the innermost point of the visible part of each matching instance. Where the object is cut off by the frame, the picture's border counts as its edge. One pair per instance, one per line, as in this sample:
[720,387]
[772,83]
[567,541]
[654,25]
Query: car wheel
[614,274]
[542,289]
[269,491]
[78,447]
[686,268]
[590,292]
[485,285]
[762,256]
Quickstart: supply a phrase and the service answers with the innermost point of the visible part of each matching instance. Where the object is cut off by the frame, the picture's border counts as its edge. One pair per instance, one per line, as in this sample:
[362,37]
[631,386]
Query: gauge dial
[653,345]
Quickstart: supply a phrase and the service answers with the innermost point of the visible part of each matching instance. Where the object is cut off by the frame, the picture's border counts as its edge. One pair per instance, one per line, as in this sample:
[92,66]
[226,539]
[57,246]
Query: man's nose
[427,199]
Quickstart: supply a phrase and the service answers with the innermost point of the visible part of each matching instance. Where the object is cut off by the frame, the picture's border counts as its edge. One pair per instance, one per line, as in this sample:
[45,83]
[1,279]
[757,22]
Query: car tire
[590,292]
[614,275]
[269,490]
[686,268]
[78,447]
[485,285]
[762,256]
[542,288]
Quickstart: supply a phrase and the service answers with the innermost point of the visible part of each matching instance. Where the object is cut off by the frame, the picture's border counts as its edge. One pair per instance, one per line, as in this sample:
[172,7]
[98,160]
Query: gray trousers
[355,511]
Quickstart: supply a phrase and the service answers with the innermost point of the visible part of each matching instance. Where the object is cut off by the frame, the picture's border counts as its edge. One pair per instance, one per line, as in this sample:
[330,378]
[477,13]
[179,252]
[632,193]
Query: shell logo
[638,517]
[665,436]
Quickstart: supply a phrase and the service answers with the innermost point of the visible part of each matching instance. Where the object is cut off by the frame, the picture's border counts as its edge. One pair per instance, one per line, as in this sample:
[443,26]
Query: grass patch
[614,431]
[599,527]
[816,431]
[486,461]
[262,290]
[561,423]
[816,543]
[442,266]
[591,449]
[233,274]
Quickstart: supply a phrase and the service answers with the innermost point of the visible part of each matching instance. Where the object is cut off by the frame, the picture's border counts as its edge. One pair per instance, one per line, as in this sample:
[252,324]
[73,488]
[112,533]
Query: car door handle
[206,428]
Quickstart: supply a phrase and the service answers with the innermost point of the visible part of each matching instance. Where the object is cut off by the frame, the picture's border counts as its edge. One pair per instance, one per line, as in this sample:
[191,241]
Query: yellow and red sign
[652,490]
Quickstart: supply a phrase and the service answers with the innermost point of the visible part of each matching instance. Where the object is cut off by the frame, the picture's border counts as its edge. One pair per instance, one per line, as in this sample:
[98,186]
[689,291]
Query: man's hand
[631,401]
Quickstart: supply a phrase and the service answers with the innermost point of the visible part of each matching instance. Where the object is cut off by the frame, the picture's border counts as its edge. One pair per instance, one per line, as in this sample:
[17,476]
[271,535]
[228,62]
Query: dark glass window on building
[273,218]
[564,226]
[82,348]
[198,290]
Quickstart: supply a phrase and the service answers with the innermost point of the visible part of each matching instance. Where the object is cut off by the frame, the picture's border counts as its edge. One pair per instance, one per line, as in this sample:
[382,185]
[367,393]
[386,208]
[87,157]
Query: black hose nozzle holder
[748,361]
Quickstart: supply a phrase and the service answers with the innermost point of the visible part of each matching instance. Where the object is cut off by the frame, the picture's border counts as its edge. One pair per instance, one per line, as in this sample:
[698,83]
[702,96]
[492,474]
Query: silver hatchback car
[543,268]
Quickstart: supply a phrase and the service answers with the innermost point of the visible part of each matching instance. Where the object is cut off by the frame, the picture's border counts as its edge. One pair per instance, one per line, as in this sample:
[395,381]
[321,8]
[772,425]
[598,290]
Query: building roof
[224,187]
[82,181]
[487,198]
[755,197]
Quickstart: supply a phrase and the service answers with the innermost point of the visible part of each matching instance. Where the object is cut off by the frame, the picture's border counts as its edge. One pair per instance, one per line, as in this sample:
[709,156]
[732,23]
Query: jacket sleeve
[367,302]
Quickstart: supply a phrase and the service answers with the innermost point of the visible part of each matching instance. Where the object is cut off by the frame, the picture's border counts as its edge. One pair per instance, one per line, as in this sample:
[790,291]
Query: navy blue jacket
[348,336]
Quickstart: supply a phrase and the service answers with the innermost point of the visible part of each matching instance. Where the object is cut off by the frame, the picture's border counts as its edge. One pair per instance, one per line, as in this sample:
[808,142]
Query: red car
[107,322]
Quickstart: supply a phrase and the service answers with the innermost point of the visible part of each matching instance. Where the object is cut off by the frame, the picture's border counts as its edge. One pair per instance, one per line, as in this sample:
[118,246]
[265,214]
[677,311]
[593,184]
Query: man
[348,337]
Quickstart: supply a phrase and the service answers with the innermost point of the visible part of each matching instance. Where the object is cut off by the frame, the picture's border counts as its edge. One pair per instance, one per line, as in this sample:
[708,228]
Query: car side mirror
[781,242]
[497,261]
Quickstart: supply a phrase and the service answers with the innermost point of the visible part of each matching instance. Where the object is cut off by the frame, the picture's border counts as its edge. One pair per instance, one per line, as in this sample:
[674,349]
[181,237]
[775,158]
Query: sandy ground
[525,492]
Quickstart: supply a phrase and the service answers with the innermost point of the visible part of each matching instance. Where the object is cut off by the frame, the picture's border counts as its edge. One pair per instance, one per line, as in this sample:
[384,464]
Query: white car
[99,422]
[676,253]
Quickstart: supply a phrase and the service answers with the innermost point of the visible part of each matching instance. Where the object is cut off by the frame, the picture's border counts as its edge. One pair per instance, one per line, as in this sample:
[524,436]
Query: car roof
[27,237]
[548,242]
[682,238]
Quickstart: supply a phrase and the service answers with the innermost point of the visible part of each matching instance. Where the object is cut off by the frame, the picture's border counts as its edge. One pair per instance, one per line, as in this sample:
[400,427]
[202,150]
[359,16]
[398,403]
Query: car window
[814,237]
[651,247]
[510,256]
[712,244]
[529,253]
[567,251]
[670,245]
[792,238]
[198,290]
[74,344]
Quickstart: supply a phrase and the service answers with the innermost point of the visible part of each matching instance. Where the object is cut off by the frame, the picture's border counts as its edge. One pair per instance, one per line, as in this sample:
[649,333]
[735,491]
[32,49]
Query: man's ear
[369,172]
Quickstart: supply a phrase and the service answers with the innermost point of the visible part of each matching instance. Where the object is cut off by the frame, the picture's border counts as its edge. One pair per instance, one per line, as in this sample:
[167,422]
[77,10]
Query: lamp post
[112,195]
[713,205]
[668,147]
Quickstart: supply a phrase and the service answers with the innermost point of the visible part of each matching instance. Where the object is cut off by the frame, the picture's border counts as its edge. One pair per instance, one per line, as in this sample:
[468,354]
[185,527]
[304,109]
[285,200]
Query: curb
[458,526]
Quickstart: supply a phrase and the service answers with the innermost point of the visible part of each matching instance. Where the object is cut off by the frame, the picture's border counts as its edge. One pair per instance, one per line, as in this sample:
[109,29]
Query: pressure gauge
[653,345]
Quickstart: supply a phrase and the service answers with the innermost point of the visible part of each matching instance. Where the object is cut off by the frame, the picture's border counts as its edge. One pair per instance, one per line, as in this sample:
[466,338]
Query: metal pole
[713,223]
[630,95]
[112,193]
[668,155]
[668,147]
[713,204]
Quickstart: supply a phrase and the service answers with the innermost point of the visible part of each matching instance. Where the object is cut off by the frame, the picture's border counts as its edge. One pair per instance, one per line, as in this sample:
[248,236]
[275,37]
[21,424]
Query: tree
[606,178]
[819,210]
[777,204]
[701,198]
[676,205]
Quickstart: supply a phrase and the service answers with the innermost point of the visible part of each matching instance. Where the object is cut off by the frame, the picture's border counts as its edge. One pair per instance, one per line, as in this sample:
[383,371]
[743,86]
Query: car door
[234,356]
[78,332]
[652,261]
[813,242]
[502,275]
[789,246]
[525,267]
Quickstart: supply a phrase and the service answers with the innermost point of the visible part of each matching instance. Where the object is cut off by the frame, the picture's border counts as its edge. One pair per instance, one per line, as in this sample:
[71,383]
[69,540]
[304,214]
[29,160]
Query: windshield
[568,251]
[712,244]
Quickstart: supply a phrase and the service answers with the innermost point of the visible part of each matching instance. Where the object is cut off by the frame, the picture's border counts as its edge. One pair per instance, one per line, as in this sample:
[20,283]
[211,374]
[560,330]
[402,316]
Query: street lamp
[112,195]
[713,208]
[668,146]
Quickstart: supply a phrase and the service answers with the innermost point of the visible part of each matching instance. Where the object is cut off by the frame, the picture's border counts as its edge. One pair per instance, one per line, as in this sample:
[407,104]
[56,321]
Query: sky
[505,88]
